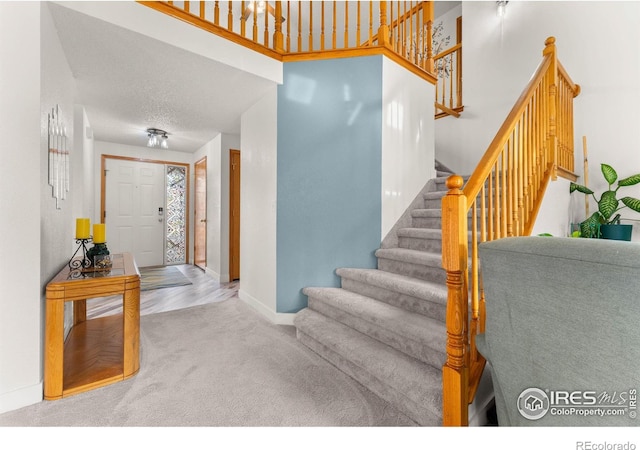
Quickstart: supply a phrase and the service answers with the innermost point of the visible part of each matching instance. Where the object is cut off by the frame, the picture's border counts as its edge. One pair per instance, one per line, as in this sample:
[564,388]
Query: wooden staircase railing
[448,71]
[297,30]
[500,199]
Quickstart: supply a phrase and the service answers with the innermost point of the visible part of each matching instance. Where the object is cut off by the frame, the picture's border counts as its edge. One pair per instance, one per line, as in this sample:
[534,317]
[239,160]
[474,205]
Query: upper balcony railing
[297,30]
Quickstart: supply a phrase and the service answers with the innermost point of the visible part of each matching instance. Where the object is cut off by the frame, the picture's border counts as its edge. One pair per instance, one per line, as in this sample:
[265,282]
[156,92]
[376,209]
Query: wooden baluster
[490,212]
[358,24]
[243,20]
[455,372]
[255,21]
[504,212]
[370,23]
[310,26]
[406,47]
[322,25]
[288,27]
[335,26]
[458,62]
[278,36]
[266,26]
[230,16]
[186,6]
[429,67]
[216,12]
[299,26]
[451,74]
[510,184]
[396,33]
[383,31]
[346,25]
[412,47]
[202,10]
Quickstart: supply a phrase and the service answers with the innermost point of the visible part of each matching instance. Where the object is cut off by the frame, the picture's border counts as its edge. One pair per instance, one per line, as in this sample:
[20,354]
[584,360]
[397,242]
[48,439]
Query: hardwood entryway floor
[203,290]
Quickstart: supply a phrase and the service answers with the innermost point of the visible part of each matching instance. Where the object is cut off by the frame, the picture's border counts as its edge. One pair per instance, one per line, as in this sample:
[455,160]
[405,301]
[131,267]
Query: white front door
[134,209]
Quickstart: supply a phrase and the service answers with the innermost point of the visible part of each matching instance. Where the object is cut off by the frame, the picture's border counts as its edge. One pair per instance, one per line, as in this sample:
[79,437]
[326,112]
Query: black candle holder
[84,262]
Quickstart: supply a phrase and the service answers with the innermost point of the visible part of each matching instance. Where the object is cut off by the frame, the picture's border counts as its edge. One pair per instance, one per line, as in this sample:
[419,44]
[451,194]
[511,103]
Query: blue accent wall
[329,173]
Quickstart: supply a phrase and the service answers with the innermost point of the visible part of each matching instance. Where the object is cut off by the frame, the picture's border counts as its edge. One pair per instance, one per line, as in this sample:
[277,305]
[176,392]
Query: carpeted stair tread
[413,334]
[422,289]
[409,385]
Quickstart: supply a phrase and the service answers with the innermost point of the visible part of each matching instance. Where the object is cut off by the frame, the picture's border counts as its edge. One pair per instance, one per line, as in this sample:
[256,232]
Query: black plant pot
[617,232]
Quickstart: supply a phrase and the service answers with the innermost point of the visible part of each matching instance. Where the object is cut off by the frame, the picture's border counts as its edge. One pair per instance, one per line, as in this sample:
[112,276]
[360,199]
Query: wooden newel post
[552,102]
[455,372]
[383,31]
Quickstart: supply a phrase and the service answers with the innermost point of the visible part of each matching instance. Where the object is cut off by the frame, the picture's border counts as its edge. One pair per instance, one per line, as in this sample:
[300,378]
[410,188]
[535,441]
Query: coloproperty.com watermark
[535,403]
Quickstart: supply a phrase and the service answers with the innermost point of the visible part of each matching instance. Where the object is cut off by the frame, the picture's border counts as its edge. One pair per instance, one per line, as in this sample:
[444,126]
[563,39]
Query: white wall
[258,196]
[146,21]
[20,192]
[599,45]
[407,140]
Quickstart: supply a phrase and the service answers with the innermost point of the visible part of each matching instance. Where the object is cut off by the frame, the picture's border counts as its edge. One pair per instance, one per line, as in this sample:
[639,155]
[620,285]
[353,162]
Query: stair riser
[437,311]
[404,344]
[431,222]
[424,245]
[394,397]
[432,203]
[434,274]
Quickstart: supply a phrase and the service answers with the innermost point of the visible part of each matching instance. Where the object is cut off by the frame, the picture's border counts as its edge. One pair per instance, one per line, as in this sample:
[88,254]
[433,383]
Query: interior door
[134,209]
[200,226]
[234,214]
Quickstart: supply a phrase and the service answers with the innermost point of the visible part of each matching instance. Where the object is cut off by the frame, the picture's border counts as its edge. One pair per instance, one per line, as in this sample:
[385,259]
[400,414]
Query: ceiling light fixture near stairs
[157,138]
[259,8]
[502,8]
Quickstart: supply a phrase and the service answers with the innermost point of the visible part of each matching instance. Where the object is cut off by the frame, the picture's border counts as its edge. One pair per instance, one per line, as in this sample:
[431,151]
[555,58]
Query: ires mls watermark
[535,403]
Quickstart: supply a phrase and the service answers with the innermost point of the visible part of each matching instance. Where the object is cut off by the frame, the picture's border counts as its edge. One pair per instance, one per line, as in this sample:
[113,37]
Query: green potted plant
[600,223]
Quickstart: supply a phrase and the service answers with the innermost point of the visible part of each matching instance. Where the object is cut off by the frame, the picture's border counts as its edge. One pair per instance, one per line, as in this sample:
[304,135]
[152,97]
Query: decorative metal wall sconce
[58,156]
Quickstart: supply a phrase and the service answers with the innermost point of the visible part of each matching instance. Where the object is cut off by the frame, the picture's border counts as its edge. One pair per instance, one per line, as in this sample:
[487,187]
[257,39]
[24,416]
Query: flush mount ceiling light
[157,138]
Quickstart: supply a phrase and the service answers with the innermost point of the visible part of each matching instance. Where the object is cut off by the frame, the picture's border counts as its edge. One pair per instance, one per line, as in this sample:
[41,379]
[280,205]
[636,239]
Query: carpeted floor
[219,365]
[161,277]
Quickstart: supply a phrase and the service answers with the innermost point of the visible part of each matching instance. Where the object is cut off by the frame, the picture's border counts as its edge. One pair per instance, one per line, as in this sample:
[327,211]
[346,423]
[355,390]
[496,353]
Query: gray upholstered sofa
[563,330]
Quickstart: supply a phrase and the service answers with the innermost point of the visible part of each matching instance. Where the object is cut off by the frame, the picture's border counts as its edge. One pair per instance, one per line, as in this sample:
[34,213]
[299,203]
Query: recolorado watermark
[588,445]
[535,403]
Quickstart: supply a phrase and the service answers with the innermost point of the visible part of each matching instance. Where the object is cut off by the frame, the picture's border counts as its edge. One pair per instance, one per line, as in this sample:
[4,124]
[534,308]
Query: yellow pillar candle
[99,233]
[82,228]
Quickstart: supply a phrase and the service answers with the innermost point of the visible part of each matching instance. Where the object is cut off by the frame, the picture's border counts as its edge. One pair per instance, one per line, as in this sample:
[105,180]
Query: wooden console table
[99,351]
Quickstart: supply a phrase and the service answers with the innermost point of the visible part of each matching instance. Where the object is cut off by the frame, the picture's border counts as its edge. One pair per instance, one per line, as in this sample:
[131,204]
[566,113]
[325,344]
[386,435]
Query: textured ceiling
[128,82]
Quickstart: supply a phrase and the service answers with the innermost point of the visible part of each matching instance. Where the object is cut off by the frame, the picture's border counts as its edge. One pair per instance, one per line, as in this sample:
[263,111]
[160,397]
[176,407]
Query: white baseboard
[272,316]
[20,398]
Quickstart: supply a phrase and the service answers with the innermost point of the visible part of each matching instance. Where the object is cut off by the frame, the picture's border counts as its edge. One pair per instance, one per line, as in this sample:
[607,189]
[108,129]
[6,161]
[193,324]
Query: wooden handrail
[403,35]
[502,198]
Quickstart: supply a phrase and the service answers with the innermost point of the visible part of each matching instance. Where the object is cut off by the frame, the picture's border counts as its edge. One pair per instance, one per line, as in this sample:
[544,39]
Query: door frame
[202,160]
[103,186]
[234,221]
